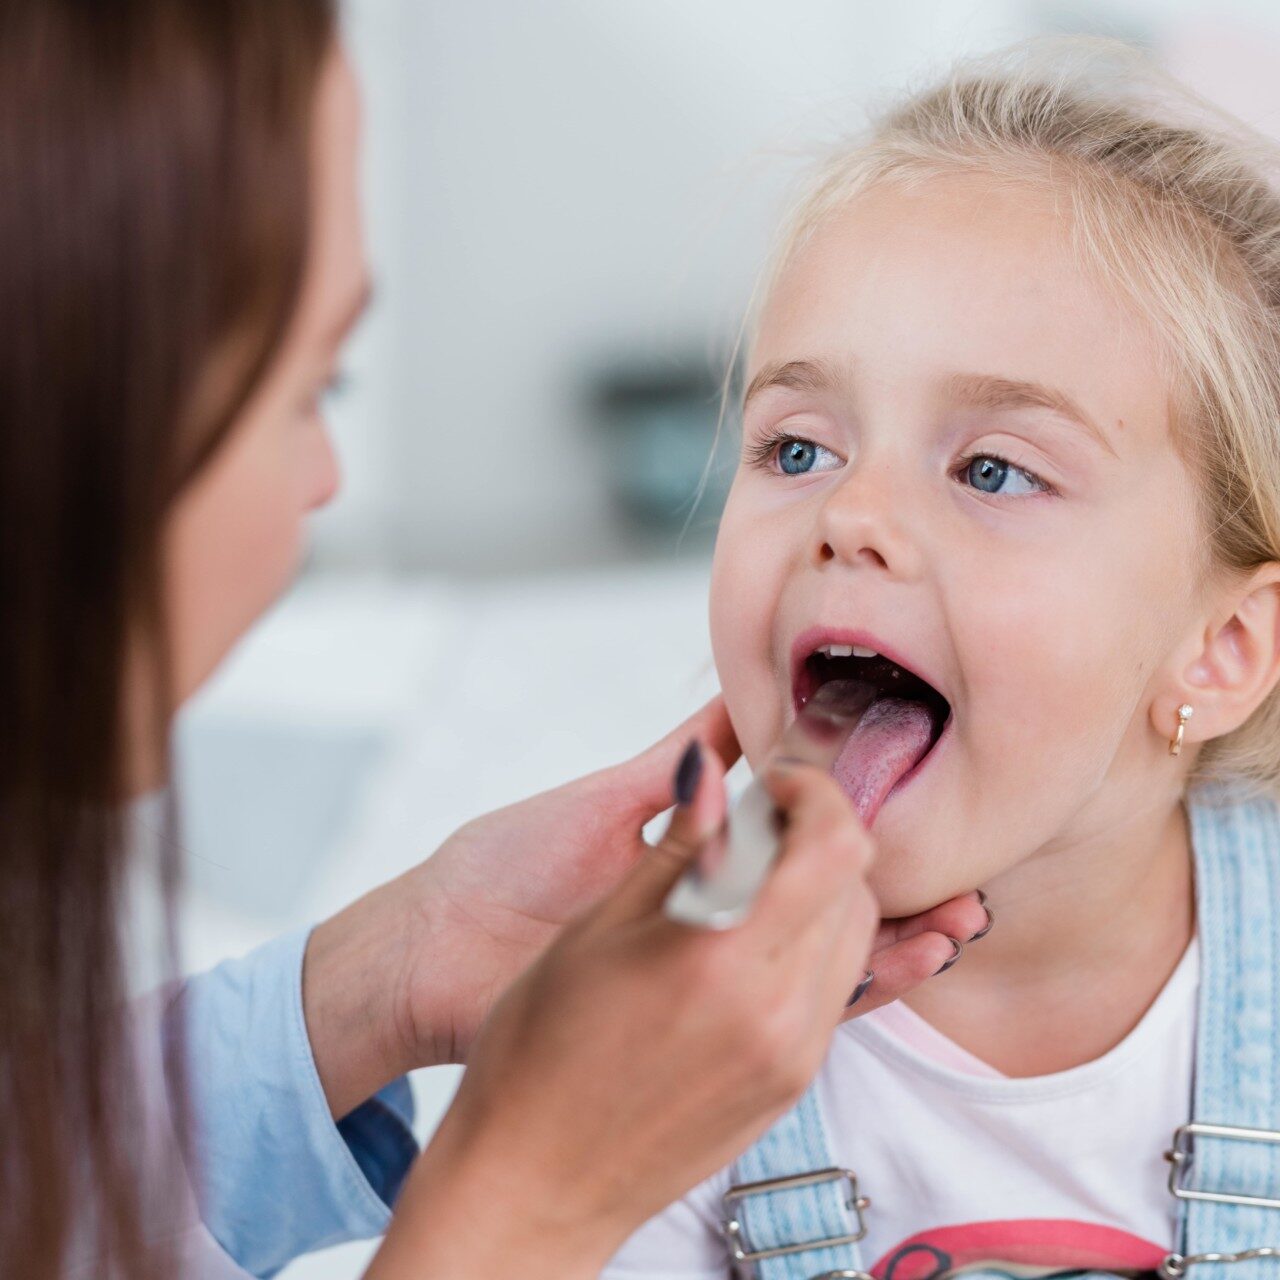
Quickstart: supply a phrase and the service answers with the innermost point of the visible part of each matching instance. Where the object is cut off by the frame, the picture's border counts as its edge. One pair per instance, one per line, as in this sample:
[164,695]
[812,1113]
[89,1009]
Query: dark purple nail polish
[991,919]
[959,946]
[688,773]
[861,989]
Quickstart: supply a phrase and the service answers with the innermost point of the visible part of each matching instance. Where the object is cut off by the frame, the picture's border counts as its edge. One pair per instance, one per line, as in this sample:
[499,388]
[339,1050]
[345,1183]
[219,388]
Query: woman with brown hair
[181,263]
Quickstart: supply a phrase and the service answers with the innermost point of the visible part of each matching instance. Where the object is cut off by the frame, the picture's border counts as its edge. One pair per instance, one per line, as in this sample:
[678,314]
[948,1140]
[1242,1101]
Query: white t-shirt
[963,1165]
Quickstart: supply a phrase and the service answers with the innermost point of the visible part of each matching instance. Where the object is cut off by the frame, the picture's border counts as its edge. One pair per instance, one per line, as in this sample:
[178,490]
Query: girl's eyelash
[764,451]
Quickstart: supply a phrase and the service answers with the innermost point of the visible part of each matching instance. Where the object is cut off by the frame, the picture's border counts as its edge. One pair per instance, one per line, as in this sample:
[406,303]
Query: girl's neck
[1084,940]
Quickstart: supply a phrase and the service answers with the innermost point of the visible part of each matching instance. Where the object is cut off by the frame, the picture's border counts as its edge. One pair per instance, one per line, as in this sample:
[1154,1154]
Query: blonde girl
[1011,455]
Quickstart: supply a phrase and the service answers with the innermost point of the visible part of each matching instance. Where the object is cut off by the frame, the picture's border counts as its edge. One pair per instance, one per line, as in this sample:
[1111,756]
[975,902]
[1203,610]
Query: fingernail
[991,918]
[688,773]
[959,946]
[861,989]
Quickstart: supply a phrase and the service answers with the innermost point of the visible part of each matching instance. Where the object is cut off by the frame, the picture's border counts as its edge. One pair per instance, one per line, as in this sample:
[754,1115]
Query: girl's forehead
[960,276]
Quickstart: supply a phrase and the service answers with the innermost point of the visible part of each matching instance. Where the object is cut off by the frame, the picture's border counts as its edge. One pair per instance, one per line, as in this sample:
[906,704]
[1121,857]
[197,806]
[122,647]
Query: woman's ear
[1237,663]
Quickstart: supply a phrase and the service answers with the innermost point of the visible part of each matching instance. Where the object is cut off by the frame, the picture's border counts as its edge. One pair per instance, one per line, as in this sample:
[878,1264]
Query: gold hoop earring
[1184,714]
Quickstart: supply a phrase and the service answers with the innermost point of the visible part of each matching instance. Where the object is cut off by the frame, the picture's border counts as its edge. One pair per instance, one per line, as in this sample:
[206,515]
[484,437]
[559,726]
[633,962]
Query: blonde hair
[1174,202]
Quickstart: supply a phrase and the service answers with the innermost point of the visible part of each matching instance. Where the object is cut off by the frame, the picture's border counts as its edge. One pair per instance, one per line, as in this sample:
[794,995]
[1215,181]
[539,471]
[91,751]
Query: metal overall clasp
[742,1251]
[1180,1156]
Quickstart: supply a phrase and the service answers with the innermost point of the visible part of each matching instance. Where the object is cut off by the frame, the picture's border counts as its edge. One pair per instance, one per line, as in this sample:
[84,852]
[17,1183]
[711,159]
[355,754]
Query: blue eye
[796,457]
[988,474]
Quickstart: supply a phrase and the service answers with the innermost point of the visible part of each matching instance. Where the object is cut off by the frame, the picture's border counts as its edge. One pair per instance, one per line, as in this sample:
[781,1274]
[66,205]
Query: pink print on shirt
[1021,1249]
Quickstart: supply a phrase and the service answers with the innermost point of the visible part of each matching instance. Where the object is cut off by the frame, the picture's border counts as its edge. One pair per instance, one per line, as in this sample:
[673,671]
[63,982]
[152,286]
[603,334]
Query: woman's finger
[902,967]
[825,848]
[645,779]
[697,787]
[964,917]
[899,967]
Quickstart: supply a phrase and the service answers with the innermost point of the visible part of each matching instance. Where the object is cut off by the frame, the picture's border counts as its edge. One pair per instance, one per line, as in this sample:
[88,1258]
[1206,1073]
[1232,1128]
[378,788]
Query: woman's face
[957,453]
[236,534]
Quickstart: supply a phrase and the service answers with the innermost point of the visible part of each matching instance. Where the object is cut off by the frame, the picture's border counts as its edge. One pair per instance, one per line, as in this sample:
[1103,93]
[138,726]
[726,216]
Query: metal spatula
[717,890]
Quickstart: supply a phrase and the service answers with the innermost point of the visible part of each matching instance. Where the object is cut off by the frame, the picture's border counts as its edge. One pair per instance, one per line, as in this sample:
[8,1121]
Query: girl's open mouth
[900,728]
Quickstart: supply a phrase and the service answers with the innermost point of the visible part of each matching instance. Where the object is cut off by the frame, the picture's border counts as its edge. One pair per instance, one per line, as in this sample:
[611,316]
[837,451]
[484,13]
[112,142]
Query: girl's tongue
[889,741]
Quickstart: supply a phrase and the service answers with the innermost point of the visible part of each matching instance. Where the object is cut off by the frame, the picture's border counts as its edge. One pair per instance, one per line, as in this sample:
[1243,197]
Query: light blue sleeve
[275,1177]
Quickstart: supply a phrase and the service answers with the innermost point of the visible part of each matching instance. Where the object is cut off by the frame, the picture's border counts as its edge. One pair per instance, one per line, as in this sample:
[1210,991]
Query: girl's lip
[814,637]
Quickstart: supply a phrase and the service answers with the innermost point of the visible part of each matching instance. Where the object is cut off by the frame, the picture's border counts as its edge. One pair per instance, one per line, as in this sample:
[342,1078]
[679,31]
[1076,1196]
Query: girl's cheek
[1049,698]
[744,605]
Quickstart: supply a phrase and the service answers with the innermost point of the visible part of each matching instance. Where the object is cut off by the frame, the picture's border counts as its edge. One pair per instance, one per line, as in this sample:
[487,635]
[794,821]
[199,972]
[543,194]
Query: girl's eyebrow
[987,391]
[975,390]
[795,375]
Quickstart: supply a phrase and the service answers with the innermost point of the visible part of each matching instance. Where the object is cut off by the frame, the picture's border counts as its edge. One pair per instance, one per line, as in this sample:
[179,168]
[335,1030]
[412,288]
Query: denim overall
[794,1215]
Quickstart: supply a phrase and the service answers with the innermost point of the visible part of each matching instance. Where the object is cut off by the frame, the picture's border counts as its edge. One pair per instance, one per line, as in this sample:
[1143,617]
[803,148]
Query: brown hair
[154,202]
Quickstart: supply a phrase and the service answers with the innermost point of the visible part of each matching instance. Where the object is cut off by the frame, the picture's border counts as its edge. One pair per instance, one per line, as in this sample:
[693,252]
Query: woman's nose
[866,521]
[326,473]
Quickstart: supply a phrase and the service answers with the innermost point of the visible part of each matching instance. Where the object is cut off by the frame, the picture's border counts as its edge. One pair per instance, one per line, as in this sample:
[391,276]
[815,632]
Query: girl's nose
[866,522]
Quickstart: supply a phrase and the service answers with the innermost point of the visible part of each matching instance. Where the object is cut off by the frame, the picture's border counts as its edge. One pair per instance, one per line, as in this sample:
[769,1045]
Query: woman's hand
[405,977]
[502,887]
[637,1056]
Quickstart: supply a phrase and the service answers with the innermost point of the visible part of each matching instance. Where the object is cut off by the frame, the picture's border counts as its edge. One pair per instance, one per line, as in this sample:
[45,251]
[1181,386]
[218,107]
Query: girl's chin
[905,884]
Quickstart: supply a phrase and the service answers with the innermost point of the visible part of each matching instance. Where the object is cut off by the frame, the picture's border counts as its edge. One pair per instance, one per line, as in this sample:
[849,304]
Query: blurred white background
[567,205]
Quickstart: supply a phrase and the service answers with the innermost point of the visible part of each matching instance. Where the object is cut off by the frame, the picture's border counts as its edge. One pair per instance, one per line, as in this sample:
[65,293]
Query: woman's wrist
[352,974]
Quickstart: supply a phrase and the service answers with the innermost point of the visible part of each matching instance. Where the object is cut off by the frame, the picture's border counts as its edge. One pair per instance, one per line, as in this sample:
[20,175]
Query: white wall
[557,182]
[554,183]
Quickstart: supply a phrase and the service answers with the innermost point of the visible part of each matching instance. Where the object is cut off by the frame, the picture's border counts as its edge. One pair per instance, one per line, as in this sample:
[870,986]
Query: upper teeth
[847,651]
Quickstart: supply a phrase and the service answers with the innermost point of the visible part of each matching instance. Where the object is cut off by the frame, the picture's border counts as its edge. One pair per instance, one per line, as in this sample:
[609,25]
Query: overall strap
[791,1213]
[1226,1163]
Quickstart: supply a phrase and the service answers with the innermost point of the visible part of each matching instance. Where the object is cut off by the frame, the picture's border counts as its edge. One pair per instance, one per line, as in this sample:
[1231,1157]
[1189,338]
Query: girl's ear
[1237,665]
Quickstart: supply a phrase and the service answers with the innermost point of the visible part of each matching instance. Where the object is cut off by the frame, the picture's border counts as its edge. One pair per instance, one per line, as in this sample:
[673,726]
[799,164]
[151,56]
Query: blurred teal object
[658,426]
